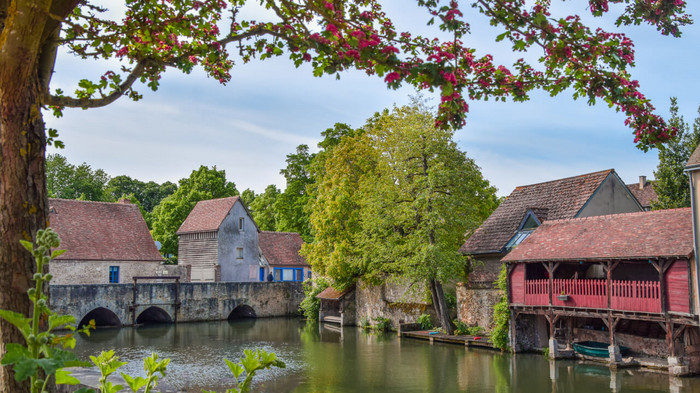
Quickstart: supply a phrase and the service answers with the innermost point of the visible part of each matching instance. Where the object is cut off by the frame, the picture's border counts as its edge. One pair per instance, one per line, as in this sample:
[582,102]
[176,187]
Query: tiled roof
[331,294]
[552,200]
[281,248]
[644,195]
[694,159]
[207,215]
[643,235]
[101,231]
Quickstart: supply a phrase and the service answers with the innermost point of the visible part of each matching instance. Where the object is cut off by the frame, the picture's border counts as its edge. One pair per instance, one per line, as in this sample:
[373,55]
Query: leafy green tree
[426,197]
[202,184]
[248,196]
[331,36]
[336,211]
[65,180]
[263,208]
[148,194]
[291,204]
[672,183]
[397,200]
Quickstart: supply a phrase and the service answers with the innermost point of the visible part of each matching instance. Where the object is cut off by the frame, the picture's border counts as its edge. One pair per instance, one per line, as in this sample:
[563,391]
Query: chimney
[642,182]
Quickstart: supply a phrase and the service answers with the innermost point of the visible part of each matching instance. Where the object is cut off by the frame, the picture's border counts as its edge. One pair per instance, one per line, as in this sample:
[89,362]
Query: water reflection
[320,359]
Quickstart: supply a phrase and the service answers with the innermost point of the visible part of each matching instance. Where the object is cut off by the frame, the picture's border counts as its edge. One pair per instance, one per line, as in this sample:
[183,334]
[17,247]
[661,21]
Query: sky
[248,126]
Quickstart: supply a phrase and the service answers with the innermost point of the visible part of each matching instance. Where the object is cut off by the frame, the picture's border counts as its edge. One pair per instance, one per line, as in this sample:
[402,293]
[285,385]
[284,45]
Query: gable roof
[642,235]
[208,215]
[552,200]
[282,248]
[101,231]
[331,293]
[645,194]
[694,160]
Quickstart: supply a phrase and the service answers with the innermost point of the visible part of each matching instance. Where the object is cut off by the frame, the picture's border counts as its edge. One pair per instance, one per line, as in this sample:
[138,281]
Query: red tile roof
[332,294]
[552,200]
[643,235]
[282,248]
[644,195]
[207,215]
[101,231]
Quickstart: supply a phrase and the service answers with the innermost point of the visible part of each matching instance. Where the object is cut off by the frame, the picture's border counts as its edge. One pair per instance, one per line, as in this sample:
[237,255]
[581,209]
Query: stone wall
[643,345]
[198,301]
[530,333]
[68,272]
[399,302]
[475,305]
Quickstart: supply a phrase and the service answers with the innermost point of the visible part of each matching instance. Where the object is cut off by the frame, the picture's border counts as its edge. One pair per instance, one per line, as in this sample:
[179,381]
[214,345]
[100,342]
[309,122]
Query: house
[280,255]
[105,243]
[337,306]
[627,280]
[644,192]
[219,241]
[526,208]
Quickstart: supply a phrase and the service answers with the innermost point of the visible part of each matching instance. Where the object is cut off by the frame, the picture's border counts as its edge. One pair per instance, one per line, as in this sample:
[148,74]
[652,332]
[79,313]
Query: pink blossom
[392,77]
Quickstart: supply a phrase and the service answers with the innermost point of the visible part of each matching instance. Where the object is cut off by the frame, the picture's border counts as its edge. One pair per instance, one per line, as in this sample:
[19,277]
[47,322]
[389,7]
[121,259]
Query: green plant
[383,324]
[44,354]
[365,324]
[545,351]
[424,322]
[107,363]
[501,314]
[463,328]
[251,363]
[311,304]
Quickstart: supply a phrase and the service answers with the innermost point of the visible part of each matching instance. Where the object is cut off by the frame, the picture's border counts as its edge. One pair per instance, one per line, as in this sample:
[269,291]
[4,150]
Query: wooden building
[624,279]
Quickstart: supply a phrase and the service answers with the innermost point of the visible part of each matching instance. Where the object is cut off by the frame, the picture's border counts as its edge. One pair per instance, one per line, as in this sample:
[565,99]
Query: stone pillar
[553,349]
[615,383]
[615,355]
[676,367]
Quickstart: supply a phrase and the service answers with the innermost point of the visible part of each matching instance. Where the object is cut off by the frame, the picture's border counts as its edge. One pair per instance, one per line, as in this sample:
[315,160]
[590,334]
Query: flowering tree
[332,35]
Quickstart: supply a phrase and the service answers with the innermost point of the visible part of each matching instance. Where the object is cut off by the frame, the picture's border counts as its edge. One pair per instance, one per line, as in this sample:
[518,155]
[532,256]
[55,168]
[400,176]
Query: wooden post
[669,338]
[550,271]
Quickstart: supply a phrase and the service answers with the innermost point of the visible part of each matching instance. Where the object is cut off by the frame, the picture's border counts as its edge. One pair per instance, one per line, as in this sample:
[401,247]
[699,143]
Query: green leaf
[236,369]
[25,368]
[28,245]
[18,320]
[64,377]
[134,383]
[56,253]
[60,320]
[14,353]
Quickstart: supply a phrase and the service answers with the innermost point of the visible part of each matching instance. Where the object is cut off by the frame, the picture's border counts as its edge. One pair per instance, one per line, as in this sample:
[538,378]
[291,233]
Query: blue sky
[248,126]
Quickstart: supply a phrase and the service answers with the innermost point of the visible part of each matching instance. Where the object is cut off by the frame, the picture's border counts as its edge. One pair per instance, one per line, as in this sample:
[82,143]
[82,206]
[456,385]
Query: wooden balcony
[641,296]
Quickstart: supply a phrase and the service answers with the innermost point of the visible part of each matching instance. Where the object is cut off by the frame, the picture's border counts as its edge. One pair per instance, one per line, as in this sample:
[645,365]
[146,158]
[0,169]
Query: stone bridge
[129,304]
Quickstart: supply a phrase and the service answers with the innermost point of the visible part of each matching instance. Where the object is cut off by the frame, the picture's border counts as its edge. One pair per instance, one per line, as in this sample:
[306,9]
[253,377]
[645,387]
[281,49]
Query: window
[262,274]
[239,253]
[241,221]
[308,275]
[114,274]
[289,274]
[529,223]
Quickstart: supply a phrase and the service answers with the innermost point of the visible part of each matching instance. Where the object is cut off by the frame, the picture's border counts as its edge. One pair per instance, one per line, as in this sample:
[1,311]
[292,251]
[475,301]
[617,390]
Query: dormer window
[529,223]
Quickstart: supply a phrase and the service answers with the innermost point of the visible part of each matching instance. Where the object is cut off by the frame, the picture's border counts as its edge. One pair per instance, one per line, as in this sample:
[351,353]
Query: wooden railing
[641,296]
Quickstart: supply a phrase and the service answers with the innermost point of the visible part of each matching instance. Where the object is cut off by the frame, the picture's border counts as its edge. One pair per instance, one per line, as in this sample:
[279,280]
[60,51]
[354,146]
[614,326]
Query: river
[324,360]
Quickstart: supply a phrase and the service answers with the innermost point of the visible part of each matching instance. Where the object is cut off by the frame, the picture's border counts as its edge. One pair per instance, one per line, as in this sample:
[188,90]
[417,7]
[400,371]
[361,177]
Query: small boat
[596,349]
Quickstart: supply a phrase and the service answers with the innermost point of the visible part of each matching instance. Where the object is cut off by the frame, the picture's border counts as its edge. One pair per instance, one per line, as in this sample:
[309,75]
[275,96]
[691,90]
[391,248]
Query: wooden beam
[678,332]
[669,338]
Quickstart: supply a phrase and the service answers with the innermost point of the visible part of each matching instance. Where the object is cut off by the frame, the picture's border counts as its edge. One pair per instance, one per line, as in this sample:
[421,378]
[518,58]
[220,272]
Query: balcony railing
[641,296]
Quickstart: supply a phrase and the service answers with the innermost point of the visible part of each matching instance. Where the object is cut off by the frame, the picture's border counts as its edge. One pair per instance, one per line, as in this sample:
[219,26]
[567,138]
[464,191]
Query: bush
[424,322]
[501,315]
[383,324]
[311,304]
[463,328]
[365,324]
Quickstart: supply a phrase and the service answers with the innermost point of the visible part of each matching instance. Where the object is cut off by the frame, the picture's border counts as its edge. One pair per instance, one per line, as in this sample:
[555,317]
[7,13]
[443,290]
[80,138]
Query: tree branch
[97,102]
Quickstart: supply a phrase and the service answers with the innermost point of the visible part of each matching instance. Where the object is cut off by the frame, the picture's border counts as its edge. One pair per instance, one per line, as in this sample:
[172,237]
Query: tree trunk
[440,305]
[23,200]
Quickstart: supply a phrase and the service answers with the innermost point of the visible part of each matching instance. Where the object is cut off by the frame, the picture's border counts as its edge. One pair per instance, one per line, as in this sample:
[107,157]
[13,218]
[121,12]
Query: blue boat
[596,349]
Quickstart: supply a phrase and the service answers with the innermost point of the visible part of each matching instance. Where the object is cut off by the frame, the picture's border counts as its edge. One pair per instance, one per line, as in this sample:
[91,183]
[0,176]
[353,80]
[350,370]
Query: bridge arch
[241,312]
[103,317]
[153,314]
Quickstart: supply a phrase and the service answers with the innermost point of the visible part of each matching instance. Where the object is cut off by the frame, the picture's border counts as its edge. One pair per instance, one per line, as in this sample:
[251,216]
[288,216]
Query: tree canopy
[397,200]
[671,184]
